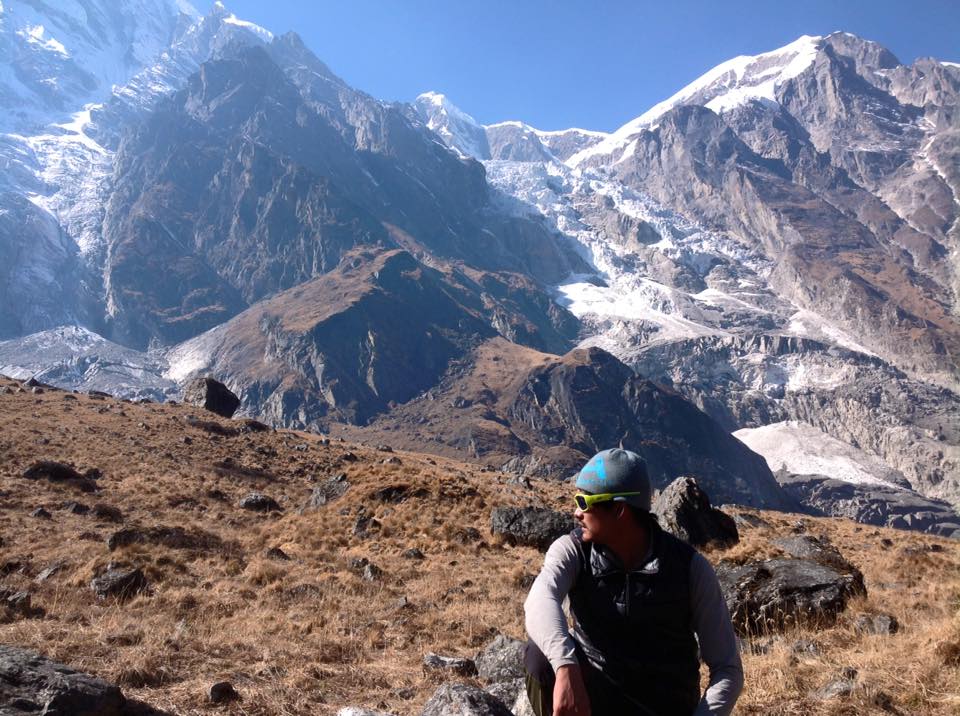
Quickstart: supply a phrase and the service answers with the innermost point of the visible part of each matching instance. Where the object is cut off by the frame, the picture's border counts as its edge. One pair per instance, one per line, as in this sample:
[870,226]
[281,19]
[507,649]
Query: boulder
[258,502]
[108,513]
[19,604]
[876,624]
[532,526]
[684,510]
[59,472]
[172,537]
[773,594]
[330,489]
[508,692]
[454,664]
[32,683]
[277,554]
[211,394]
[463,700]
[120,583]
[222,692]
[501,660]
[819,550]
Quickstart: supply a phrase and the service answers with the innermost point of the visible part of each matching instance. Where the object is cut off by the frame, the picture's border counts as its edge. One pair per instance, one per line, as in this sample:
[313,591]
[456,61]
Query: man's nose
[578,515]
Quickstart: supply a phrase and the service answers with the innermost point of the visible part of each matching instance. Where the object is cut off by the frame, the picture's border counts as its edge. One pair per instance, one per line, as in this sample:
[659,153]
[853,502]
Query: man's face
[598,522]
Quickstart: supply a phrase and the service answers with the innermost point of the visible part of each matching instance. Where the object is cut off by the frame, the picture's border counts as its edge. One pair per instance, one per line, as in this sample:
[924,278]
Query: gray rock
[258,502]
[357,711]
[76,508]
[818,549]
[172,537]
[745,519]
[463,700]
[38,684]
[59,472]
[212,395]
[223,692]
[20,604]
[277,554]
[333,487]
[776,593]
[876,624]
[413,553]
[51,570]
[501,660]
[872,504]
[41,513]
[120,583]
[371,573]
[453,664]
[108,513]
[684,510]
[836,688]
[507,691]
[531,526]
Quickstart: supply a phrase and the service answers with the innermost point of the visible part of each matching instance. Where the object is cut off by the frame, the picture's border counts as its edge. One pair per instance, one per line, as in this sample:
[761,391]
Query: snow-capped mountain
[778,240]
[63,56]
[728,85]
[58,148]
[708,220]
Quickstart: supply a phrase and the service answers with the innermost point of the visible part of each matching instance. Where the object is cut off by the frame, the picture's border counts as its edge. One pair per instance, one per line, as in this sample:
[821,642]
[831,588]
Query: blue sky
[563,63]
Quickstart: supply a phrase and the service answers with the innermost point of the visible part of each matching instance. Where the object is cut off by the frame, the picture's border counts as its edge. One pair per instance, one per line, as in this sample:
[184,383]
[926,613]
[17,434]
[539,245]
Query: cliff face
[337,347]
[544,415]
[860,399]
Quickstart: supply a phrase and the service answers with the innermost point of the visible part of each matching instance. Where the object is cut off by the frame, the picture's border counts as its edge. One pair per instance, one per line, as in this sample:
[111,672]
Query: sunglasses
[585,501]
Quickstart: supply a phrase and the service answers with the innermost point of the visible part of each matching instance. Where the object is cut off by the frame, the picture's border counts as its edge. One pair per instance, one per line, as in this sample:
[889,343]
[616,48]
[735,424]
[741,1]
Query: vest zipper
[627,582]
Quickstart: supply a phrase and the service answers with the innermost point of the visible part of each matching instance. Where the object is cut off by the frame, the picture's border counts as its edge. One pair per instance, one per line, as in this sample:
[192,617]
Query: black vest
[637,626]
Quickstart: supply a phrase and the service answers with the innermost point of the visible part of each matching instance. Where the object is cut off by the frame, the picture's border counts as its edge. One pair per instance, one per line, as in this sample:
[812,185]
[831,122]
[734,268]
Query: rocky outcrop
[532,526]
[501,660]
[778,593]
[465,700]
[684,510]
[334,341]
[539,414]
[256,178]
[30,682]
[872,504]
[854,397]
[212,395]
[119,583]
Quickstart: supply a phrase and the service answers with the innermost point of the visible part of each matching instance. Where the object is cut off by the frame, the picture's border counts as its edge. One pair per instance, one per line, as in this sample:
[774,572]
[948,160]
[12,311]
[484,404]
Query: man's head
[617,472]
[613,494]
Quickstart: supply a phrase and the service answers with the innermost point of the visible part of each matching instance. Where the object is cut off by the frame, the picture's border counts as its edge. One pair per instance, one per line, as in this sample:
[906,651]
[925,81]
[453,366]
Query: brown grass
[310,635]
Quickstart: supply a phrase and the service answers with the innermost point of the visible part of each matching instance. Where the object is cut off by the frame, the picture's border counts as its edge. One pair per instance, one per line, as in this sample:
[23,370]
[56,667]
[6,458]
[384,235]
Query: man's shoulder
[568,544]
[674,547]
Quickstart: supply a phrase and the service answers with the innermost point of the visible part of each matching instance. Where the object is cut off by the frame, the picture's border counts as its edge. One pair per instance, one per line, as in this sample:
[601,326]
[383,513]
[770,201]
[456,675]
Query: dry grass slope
[310,634]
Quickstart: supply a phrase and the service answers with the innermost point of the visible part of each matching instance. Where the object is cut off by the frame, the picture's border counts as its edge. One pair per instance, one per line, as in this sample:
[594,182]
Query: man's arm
[545,620]
[718,643]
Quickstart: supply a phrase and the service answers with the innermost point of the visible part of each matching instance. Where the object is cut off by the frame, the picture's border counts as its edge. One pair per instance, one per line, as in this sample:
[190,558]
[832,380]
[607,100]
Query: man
[646,608]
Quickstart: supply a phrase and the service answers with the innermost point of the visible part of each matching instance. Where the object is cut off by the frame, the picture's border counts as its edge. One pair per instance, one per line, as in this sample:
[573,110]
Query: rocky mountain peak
[459,130]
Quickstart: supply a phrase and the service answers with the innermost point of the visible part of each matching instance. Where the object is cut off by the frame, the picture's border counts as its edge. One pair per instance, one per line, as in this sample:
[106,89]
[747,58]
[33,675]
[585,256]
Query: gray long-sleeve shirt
[547,624]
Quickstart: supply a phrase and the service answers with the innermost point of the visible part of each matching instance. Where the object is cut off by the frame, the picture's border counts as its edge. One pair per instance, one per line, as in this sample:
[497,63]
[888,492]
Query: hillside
[311,634]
